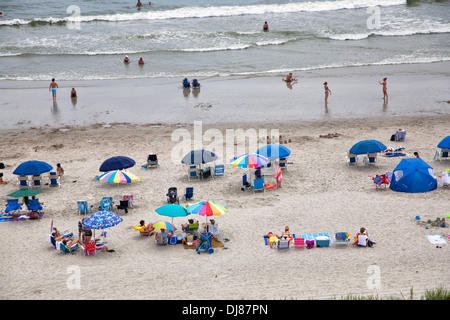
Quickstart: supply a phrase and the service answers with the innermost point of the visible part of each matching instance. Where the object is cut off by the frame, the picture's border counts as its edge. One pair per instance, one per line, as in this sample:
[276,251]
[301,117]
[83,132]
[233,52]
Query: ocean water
[88,39]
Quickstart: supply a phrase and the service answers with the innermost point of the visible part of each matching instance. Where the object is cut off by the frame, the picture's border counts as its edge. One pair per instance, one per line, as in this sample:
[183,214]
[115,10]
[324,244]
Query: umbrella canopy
[118,177]
[163,225]
[117,163]
[172,210]
[413,175]
[207,208]
[32,167]
[249,160]
[102,220]
[274,151]
[445,143]
[24,192]
[367,146]
[199,156]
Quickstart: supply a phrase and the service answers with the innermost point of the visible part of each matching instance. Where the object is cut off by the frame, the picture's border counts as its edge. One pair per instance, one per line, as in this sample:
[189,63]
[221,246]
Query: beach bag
[2,165]
[393,137]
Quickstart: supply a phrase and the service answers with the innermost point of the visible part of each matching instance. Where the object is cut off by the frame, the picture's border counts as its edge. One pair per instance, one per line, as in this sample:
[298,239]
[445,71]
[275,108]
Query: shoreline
[356,94]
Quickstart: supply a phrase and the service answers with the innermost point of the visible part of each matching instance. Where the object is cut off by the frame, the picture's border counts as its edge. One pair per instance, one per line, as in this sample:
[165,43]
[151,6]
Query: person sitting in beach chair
[152,160]
[172,196]
[186,83]
[145,230]
[272,239]
[195,83]
[191,226]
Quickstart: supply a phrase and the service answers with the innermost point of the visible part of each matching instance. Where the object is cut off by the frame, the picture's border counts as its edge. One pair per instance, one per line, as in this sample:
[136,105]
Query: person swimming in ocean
[126,60]
[265,26]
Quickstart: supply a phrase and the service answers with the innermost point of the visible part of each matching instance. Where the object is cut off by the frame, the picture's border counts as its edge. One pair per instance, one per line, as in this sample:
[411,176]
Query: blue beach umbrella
[172,210]
[445,143]
[367,146]
[274,151]
[102,220]
[32,167]
[413,175]
[199,156]
[117,163]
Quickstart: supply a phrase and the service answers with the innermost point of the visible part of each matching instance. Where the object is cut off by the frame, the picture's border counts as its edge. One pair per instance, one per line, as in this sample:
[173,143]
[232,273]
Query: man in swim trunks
[289,77]
[53,86]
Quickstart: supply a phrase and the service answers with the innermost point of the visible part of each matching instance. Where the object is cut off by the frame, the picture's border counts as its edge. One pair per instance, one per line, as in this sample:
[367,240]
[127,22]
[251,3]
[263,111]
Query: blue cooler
[322,241]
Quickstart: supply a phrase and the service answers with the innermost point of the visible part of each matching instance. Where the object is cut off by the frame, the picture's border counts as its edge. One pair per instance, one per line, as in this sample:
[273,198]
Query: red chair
[89,248]
[299,242]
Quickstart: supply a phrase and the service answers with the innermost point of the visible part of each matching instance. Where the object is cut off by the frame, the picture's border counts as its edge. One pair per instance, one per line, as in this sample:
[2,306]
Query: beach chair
[36,180]
[83,207]
[442,155]
[106,204]
[258,185]
[34,205]
[191,228]
[352,159]
[152,161]
[342,237]
[193,173]
[400,135]
[123,205]
[22,181]
[90,248]
[219,170]
[53,180]
[195,83]
[129,198]
[12,205]
[206,173]
[189,193]
[283,163]
[172,196]
[283,244]
[186,83]
[245,184]
[361,240]
[63,248]
[370,159]
[213,229]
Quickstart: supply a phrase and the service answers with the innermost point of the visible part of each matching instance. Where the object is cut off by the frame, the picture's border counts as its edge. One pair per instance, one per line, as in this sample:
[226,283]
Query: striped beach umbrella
[163,225]
[207,208]
[118,176]
[249,160]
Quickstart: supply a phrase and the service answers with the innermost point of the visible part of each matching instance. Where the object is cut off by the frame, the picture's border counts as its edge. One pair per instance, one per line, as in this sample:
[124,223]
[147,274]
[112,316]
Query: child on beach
[53,86]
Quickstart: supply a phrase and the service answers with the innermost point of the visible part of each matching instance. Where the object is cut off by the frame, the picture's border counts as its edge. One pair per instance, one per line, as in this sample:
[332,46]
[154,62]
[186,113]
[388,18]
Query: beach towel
[313,236]
[435,239]
[270,186]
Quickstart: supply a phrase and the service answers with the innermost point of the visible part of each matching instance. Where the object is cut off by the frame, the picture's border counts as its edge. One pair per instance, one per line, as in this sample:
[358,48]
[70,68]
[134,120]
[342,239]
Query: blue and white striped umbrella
[102,220]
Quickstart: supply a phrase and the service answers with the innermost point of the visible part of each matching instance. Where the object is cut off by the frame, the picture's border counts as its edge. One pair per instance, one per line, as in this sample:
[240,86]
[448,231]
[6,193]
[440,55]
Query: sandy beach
[320,193]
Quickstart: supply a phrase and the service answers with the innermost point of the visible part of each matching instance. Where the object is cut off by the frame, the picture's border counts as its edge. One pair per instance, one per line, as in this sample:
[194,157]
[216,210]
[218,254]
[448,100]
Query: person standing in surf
[265,26]
[327,92]
[53,86]
[384,84]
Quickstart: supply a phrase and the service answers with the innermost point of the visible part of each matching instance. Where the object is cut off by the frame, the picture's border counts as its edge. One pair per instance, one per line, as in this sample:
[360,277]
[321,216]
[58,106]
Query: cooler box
[322,241]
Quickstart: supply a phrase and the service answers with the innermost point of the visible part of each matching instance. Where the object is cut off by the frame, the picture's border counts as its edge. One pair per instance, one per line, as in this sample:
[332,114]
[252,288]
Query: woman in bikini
[384,84]
[327,91]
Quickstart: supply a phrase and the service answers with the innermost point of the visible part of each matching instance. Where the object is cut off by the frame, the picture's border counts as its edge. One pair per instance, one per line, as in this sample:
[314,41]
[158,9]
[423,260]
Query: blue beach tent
[413,175]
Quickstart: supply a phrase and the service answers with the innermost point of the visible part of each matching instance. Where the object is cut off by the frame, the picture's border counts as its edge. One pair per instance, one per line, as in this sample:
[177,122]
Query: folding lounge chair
[37,180]
[361,240]
[352,159]
[152,161]
[219,170]
[299,242]
[65,249]
[258,185]
[23,181]
[161,240]
[172,196]
[193,173]
[130,200]
[83,207]
[123,205]
[400,135]
[12,205]
[283,163]
[442,155]
[189,193]
[191,228]
[342,237]
[54,180]
[34,205]
[213,229]
[89,248]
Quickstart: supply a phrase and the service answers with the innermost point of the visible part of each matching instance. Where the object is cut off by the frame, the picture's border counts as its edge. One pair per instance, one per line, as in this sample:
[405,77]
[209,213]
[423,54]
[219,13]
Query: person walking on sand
[53,86]
[327,92]
[384,84]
